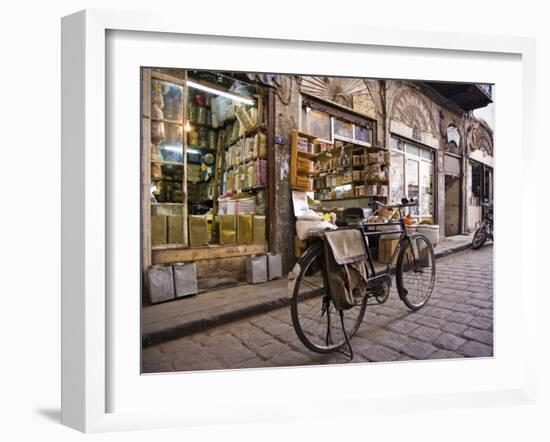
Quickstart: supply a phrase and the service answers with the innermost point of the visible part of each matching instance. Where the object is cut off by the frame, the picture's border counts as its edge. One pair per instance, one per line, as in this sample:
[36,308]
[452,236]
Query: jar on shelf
[201,115]
[203,136]
[192,113]
[193,137]
[212,139]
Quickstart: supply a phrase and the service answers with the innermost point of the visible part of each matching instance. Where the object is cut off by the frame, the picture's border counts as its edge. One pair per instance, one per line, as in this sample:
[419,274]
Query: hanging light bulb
[187,126]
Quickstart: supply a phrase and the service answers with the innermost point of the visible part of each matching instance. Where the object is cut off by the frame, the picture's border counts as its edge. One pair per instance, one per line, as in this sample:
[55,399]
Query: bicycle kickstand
[350,355]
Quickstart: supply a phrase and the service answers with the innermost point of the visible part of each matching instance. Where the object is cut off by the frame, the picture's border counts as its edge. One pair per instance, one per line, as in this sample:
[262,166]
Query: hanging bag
[345,257]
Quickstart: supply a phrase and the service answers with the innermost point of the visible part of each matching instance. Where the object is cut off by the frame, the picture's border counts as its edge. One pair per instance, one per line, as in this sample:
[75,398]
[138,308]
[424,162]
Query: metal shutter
[452,166]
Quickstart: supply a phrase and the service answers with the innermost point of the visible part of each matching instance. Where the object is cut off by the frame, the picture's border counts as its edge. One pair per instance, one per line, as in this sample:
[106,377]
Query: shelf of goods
[338,171]
[219,202]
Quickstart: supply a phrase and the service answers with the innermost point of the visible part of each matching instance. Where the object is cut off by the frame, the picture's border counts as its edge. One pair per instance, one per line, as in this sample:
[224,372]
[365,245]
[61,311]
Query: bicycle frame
[404,237]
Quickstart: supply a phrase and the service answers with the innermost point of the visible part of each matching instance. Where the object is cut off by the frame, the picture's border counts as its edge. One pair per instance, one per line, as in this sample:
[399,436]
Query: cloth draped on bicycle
[345,257]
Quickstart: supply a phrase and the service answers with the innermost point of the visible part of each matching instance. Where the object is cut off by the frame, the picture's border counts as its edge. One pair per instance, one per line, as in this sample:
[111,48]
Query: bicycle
[314,317]
[485,231]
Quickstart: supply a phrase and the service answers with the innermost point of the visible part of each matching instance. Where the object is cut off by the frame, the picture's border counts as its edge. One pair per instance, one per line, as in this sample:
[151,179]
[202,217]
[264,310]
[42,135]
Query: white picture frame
[87,310]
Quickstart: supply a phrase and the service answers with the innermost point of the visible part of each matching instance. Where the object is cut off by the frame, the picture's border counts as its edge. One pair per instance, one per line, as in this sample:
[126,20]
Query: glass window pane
[488,185]
[317,124]
[343,129]
[412,182]
[166,101]
[397,177]
[394,143]
[413,150]
[475,197]
[171,142]
[426,184]
[426,154]
[363,134]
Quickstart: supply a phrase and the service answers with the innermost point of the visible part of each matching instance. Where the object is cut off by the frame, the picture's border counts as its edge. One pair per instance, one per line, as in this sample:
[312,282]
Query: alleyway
[457,322]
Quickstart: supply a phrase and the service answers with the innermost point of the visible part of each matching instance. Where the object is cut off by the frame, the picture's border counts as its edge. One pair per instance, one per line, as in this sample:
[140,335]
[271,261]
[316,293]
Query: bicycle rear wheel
[415,272]
[315,319]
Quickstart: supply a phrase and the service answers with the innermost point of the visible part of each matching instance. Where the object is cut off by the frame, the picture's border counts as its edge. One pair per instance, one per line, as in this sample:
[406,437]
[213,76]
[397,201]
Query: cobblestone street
[457,322]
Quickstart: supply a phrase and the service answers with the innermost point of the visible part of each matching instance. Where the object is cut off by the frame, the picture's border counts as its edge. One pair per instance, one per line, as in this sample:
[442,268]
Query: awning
[467,96]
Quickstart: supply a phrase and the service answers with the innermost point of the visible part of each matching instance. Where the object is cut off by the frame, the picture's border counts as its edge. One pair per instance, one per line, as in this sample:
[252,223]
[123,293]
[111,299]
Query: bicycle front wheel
[315,319]
[479,237]
[415,273]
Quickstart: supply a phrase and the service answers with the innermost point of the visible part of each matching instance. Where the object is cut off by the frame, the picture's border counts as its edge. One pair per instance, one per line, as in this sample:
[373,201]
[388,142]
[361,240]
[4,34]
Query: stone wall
[287,114]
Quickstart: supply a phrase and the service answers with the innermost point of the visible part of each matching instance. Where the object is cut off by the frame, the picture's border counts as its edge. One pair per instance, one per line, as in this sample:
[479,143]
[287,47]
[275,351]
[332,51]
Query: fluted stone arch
[353,93]
[411,109]
[480,137]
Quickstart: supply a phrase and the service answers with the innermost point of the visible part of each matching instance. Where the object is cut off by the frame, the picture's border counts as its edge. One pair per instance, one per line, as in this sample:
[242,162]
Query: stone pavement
[457,322]
[175,319]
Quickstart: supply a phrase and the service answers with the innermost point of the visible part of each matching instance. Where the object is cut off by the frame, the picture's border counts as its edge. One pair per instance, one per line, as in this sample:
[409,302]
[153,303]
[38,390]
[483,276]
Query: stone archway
[410,109]
[353,93]
[480,137]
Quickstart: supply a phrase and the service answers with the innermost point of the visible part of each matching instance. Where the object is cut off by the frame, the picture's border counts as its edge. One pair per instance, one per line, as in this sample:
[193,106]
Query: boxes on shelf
[158,229]
[185,279]
[198,230]
[372,190]
[258,229]
[359,190]
[358,175]
[228,229]
[304,183]
[256,269]
[244,229]
[260,145]
[193,173]
[386,247]
[304,165]
[161,283]
[375,157]
[303,144]
[175,229]
[274,266]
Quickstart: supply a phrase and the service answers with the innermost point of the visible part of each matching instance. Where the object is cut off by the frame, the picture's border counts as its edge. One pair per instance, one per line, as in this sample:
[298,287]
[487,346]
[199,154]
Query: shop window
[397,177]
[327,127]
[412,175]
[488,184]
[317,123]
[426,154]
[363,134]
[343,129]
[426,188]
[475,197]
[223,137]
[413,150]
[413,182]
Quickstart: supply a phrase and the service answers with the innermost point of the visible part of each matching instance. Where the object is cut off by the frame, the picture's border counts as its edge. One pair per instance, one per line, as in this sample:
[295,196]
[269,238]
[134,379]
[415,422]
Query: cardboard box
[158,230]
[386,248]
[258,229]
[244,229]
[228,229]
[175,229]
[198,231]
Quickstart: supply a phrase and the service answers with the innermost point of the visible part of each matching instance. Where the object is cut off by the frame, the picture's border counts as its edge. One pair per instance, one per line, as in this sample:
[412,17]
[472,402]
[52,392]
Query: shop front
[480,171]
[206,143]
